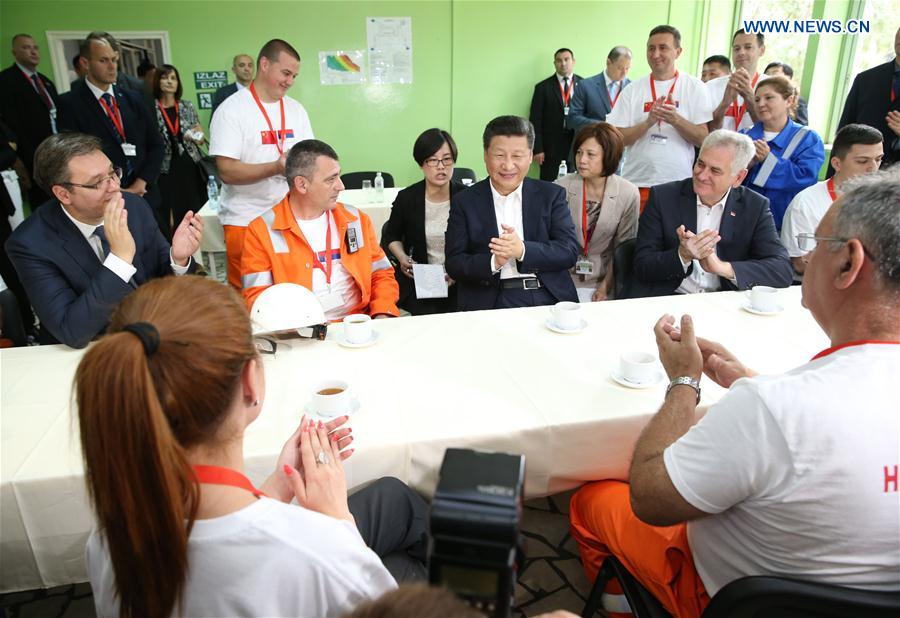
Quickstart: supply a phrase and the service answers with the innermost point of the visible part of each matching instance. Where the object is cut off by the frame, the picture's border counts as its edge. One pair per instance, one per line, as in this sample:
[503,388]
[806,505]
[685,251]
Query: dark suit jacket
[221,94]
[550,133]
[80,111]
[407,224]
[25,112]
[590,103]
[73,294]
[869,102]
[749,241]
[551,247]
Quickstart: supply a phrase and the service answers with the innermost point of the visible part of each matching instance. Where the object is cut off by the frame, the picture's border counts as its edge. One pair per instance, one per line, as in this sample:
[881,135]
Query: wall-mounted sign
[210,80]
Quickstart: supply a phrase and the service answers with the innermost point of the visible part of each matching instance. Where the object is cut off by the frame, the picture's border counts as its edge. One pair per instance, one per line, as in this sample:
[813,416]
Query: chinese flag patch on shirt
[269,139]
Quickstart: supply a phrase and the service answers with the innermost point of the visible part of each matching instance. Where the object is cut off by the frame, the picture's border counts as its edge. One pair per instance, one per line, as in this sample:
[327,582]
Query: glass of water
[367,190]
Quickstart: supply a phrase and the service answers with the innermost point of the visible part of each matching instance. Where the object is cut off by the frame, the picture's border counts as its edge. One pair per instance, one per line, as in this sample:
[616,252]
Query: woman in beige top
[604,208]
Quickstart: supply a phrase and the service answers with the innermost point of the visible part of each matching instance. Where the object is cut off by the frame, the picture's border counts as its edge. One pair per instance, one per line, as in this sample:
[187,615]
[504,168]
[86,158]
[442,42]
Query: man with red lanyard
[250,135]
[596,96]
[858,149]
[310,239]
[550,106]
[794,474]
[662,116]
[733,95]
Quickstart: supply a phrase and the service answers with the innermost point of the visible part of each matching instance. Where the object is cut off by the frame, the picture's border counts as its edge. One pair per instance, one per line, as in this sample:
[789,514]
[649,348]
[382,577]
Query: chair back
[464,172]
[623,268]
[354,180]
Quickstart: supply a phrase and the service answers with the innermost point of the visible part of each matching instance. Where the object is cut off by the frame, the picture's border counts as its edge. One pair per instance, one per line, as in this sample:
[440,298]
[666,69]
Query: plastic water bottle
[379,188]
[563,169]
[212,191]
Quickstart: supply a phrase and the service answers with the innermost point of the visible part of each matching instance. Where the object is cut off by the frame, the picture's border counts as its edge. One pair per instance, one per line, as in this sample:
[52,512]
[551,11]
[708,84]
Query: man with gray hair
[311,239]
[792,475]
[596,96]
[708,233]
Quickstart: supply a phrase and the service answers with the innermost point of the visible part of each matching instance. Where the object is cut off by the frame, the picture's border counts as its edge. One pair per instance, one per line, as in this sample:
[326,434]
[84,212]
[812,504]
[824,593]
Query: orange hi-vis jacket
[275,251]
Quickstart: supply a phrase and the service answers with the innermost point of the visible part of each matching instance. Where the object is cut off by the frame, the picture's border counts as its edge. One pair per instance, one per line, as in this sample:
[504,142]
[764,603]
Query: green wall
[472,60]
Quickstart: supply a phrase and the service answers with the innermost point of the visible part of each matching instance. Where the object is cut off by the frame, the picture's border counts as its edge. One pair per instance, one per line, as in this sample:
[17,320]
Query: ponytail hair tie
[148,335]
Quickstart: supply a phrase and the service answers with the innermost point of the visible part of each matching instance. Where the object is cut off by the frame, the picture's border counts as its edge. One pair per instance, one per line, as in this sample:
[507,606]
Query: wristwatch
[687,381]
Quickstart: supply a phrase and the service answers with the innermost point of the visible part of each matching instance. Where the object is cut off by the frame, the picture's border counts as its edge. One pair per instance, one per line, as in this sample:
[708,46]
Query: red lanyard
[612,102]
[588,234]
[280,137]
[38,85]
[326,270]
[114,115]
[668,94]
[830,186]
[217,475]
[172,129]
[852,343]
[738,112]
[567,94]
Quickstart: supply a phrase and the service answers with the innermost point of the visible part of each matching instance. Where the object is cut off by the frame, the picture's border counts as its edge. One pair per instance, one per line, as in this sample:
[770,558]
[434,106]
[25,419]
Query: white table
[213,240]
[495,380]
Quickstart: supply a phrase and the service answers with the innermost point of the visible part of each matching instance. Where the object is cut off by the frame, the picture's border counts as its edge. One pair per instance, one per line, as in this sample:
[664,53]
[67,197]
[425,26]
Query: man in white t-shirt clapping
[662,116]
[250,135]
[792,475]
[732,96]
[858,149]
[311,239]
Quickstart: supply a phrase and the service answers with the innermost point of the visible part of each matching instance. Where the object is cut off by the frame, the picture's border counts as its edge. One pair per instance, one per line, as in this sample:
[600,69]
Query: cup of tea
[638,367]
[566,315]
[331,398]
[358,328]
[764,298]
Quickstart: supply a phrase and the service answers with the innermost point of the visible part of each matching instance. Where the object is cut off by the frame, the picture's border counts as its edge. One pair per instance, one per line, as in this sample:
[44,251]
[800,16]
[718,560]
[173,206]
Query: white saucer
[749,309]
[342,341]
[614,374]
[311,411]
[565,331]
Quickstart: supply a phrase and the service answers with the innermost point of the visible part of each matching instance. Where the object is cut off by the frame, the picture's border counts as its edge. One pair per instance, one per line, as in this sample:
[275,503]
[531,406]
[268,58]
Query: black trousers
[180,191]
[511,298]
[393,521]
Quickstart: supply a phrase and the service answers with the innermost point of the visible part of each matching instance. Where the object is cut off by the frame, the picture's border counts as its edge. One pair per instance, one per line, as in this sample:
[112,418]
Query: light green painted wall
[473,60]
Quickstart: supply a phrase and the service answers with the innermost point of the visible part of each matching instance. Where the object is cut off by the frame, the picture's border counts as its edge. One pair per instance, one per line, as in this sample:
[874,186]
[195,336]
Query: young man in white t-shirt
[858,149]
[732,96]
[792,475]
[662,116]
[250,135]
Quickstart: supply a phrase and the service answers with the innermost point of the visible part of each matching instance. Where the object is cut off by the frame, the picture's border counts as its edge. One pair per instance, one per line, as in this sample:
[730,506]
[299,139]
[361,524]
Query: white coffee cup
[358,328]
[331,398]
[566,315]
[638,367]
[763,297]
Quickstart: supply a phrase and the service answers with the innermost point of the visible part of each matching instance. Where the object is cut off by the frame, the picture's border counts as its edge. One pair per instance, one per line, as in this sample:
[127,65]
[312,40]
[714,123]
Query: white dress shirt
[97,92]
[708,218]
[609,84]
[508,210]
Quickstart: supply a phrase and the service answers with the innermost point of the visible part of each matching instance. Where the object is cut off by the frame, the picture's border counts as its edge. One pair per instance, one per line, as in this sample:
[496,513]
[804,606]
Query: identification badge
[566,110]
[130,150]
[352,240]
[658,138]
[584,267]
[330,300]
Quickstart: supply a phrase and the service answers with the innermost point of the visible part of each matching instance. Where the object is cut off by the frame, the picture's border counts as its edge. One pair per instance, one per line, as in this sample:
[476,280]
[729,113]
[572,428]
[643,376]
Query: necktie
[107,98]
[100,233]
[41,91]
[565,88]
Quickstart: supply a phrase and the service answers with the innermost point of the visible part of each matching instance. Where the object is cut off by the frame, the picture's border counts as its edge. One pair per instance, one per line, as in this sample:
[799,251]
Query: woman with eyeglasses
[181,183]
[164,401]
[415,231]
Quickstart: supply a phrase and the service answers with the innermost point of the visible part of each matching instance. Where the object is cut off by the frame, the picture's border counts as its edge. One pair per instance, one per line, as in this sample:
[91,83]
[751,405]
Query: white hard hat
[285,308]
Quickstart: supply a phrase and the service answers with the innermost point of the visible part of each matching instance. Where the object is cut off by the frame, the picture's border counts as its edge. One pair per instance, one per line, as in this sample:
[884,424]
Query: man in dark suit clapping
[550,105]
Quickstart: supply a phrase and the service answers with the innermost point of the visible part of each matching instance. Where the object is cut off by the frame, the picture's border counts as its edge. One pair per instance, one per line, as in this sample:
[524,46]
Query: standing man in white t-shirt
[662,116]
[250,136]
[732,96]
[792,475]
[858,149]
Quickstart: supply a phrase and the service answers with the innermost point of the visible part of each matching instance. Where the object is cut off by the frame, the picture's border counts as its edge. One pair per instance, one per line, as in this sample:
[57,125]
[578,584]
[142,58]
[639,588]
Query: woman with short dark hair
[415,231]
[604,208]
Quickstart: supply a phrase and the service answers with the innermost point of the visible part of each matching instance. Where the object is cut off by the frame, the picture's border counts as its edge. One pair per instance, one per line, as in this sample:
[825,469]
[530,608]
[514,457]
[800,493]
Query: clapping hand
[696,246]
[741,82]
[115,226]
[186,239]
[719,364]
[762,150]
[680,356]
[508,246]
[893,121]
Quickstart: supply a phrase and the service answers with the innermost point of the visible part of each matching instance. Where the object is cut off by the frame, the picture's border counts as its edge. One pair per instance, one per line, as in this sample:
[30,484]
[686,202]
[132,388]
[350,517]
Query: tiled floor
[551,577]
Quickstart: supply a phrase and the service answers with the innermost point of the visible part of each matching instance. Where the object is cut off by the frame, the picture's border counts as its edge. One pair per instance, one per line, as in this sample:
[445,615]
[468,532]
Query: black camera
[475,544]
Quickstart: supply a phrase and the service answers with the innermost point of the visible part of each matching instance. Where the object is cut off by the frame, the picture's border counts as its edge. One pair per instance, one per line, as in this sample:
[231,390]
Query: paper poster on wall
[338,68]
[390,49]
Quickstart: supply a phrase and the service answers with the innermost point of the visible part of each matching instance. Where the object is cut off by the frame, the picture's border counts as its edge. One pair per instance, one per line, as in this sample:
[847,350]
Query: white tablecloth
[497,380]
[379,211]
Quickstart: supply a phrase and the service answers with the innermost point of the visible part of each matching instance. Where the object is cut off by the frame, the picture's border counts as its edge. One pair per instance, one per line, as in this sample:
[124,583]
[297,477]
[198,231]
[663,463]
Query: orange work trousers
[645,194]
[234,247]
[603,523]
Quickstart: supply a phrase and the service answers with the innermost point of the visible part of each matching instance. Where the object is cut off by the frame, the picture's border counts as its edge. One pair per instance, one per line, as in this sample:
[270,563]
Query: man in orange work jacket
[310,239]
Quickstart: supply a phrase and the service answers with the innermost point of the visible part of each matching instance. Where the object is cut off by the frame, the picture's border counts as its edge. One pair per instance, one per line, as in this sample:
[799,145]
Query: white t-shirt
[239,131]
[314,230]
[716,90]
[647,162]
[803,215]
[796,469]
[267,559]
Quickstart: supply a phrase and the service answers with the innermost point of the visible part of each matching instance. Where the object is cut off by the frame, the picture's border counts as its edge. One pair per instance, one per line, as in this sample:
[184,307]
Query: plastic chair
[459,173]
[354,180]
[623,262]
